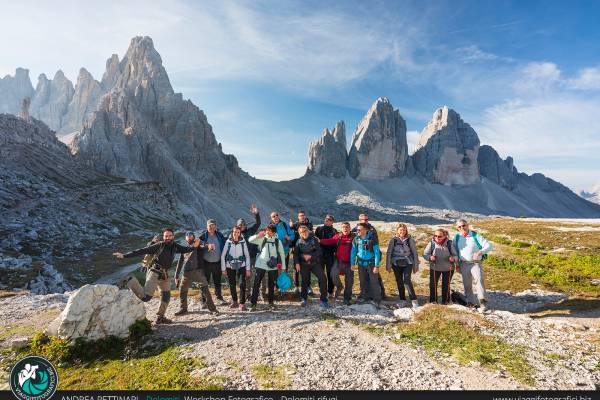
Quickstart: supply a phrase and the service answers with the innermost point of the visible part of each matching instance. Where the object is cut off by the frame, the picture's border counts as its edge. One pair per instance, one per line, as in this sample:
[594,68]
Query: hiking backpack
[473,234]
[149,259]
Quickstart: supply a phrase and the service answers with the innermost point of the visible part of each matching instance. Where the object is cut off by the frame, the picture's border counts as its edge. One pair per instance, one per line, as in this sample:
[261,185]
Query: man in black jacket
[327,231]
[302,220]
[308,259]
[192,264]
[157,275]
[248,231]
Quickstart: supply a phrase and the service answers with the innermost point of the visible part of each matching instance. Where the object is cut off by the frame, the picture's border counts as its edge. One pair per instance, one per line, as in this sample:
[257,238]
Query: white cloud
[412,137]
[277,173]
[473,53]
[588,79]
[537,78]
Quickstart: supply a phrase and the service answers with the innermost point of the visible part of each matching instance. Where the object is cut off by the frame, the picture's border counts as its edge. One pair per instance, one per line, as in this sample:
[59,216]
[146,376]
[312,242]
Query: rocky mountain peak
[13,89]
[447,150]
[52,98]
[328,155]
[112,72]
[86,96]
[379,149]
[142,67]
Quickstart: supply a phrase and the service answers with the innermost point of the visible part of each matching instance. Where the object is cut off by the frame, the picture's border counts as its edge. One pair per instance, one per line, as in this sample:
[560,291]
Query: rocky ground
[312,349]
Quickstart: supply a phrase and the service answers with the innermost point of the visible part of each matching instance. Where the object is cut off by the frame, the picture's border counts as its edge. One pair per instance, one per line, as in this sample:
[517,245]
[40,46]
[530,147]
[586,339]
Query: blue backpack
[284,282]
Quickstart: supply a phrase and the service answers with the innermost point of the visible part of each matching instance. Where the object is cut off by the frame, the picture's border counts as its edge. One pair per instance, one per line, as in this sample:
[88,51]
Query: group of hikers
[328,254]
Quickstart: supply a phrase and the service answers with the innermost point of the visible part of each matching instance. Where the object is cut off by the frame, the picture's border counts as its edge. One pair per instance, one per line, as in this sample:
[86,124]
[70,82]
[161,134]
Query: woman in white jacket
[235,260]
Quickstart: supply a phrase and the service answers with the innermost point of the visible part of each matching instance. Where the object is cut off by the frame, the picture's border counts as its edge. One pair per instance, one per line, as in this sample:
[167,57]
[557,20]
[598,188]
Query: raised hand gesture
[253,209]
[118,254]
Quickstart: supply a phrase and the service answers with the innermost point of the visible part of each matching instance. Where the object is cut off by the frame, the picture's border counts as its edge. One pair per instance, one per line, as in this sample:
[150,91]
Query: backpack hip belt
[161,271]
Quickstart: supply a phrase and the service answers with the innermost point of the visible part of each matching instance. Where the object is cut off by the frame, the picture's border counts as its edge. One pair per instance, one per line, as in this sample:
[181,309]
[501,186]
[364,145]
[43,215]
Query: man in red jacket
[343,247]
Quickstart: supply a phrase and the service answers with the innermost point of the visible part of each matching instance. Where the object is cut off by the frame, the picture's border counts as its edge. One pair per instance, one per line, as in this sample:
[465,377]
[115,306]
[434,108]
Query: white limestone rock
[98,311]
[447,150]
[51,99]
[379,148]
[13,89]
[328,156]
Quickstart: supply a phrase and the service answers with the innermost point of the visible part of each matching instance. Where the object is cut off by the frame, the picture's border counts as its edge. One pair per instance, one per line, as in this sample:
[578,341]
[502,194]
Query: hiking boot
[415,304]
[360,300]
[297,291]
[253,307]
[122,284]
[310,292]
[182,311]
[272,307]
[234,305]
[483,306]
[347,302]
[243,307]
[161,319]
[324,304]
[203,306]
[215,313]
[401,304]
[338,291]
[222,301]
[302,303]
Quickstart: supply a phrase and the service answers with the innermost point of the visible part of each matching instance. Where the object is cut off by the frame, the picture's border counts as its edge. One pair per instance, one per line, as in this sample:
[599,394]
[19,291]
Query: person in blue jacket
[366,255]
[215,240]
[284,233]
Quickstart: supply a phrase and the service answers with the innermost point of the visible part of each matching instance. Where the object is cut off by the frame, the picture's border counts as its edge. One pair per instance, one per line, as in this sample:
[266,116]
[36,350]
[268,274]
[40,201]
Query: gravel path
[314,350]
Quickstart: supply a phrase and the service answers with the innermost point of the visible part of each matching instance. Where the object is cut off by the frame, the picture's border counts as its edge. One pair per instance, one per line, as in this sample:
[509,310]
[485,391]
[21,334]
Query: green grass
[438,329]
[273,377]
[8,331]
[573,271]
[117,364]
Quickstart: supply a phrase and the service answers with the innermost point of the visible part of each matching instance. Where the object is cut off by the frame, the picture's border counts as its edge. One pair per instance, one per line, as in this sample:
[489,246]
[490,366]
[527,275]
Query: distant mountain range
[131,124]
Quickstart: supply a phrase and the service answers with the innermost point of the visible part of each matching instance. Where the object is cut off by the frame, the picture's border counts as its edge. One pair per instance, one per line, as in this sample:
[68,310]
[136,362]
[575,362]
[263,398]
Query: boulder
[404,314]
[379,148]
[328,156]
[447,150]
[97,311]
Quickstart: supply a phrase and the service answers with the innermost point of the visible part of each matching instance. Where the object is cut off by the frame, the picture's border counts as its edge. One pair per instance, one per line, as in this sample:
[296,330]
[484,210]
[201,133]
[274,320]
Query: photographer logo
[33,378]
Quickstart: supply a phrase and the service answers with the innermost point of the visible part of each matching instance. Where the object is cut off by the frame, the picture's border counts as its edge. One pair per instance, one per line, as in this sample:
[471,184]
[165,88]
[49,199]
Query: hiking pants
[212,270]
[249,279]
[152,282]
[328,261]
[472,273]
[434,277]
[233,275]
[369,283]
[258,277]
[198,276]
[404,281]
[317,270]
[346,269]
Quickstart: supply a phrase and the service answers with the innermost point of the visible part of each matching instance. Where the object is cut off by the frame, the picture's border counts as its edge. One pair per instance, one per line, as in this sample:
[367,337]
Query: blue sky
[272,75]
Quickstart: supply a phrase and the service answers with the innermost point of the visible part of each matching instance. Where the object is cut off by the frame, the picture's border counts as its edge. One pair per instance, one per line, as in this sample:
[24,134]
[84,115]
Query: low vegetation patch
[438,329]
[117,364]
[273,376]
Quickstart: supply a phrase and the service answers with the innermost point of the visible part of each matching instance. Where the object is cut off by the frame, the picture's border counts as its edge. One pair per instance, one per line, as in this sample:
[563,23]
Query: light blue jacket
[282,231]
[368,256]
